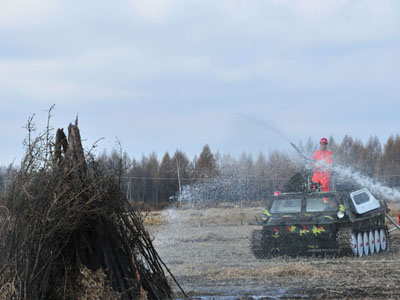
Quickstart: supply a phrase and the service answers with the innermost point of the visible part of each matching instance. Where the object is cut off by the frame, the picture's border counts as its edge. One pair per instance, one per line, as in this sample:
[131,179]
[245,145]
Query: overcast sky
[162,75]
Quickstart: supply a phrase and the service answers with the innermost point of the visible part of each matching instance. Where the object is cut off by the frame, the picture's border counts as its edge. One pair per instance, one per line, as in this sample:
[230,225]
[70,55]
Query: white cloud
[89,76]
[316,8]
[154,10]
[183,56]
[19,13]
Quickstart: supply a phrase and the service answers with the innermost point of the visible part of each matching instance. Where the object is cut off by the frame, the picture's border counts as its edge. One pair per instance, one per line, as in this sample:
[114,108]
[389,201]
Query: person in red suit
[322,166]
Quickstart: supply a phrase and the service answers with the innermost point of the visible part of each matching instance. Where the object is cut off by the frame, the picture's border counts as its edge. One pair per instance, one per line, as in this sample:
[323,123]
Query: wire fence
[135,186]
[129,184]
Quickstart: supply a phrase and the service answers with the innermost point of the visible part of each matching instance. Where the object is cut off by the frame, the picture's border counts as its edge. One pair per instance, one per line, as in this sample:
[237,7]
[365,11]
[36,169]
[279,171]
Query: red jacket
[323,162]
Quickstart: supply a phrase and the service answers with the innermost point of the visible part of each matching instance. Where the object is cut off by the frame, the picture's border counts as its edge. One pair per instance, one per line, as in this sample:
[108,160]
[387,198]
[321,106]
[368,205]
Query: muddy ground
[208,252]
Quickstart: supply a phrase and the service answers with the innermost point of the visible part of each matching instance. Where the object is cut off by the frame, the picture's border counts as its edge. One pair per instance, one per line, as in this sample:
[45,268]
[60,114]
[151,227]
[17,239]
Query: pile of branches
[68,232]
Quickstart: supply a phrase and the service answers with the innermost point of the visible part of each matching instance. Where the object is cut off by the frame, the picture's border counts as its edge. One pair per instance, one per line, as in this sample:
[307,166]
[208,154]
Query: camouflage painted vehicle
[314,222]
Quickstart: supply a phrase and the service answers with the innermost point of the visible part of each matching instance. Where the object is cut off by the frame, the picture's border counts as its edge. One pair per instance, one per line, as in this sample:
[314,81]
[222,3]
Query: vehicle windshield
[286,206]
[321,204]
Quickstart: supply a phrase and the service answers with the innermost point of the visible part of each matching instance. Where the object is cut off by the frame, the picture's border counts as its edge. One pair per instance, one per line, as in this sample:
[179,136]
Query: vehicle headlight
[340,214]
[264,217]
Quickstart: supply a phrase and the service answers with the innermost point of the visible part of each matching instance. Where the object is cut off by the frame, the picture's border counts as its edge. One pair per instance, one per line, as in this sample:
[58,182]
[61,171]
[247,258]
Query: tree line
[222,177]
[227,178]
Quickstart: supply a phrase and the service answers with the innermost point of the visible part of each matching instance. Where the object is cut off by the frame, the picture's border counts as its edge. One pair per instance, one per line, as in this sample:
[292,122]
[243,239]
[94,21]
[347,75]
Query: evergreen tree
[206,166]
[357,152]
[344,152]
[282,168]
[246,176]
[168,183]
[373,151]
[390,162]
[261,178]
[332,146]
[148,178]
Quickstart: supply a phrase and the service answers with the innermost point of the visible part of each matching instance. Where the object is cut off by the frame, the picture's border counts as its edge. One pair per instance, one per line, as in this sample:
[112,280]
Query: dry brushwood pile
[67,231]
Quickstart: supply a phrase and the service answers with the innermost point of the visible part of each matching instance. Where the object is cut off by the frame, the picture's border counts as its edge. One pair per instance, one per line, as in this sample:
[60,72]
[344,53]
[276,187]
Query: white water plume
[370,183]
[240,185]
[218,189]
[349,174]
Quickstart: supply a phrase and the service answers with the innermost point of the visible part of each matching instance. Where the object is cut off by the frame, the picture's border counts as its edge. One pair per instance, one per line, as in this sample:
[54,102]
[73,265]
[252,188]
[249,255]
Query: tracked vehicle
[347,221]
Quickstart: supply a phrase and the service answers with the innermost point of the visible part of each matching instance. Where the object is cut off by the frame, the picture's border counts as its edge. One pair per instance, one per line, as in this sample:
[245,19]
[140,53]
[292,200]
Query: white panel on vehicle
[364,201]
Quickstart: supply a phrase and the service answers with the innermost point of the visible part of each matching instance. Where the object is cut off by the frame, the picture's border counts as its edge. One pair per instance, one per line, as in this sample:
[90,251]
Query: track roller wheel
[353,241]
[383,238]
[377,241]
[371,241]
[360,244]
[366,242]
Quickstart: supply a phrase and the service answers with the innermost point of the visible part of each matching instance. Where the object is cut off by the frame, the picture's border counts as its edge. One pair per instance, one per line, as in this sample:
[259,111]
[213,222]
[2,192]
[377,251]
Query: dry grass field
[208,252]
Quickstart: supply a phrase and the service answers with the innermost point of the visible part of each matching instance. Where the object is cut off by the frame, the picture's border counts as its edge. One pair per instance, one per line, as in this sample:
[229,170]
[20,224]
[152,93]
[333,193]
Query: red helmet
[277,193]
[323,141]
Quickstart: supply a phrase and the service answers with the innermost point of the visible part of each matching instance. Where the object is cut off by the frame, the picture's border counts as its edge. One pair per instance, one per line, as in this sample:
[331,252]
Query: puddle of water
[279,294]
